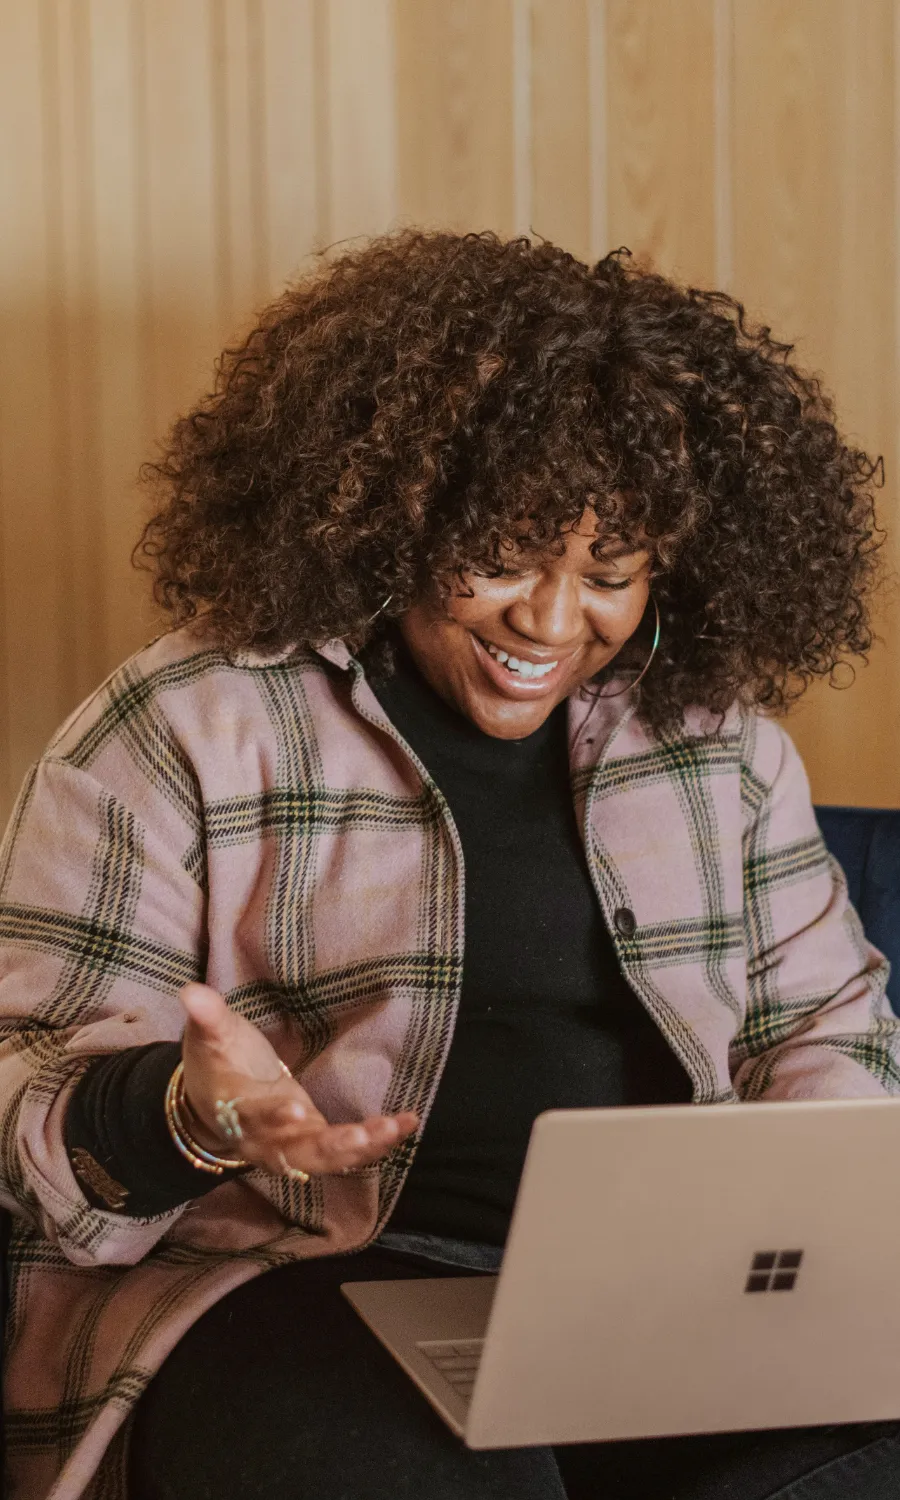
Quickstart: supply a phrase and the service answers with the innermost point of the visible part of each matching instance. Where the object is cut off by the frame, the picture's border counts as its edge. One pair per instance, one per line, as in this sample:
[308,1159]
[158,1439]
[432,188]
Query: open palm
[227,1057]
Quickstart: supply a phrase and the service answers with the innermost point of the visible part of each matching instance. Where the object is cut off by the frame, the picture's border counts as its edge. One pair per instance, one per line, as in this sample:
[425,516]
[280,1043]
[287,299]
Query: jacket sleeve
[100,926]
[818,1022]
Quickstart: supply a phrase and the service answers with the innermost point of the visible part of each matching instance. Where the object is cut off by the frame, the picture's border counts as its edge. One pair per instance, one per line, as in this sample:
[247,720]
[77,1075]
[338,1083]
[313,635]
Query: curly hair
[397,416]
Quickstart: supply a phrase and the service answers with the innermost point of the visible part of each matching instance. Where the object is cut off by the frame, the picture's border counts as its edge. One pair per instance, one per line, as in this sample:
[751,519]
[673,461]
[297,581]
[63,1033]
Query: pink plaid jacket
[259,823]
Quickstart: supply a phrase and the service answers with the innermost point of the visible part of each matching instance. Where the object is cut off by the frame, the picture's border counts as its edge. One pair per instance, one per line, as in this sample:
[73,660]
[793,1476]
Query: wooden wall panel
[360,150]
[167,167]
[183,186]
[455,97]
[124,428]
[814,255]
[36,610]
[290,180]
[561,123]
[661,133]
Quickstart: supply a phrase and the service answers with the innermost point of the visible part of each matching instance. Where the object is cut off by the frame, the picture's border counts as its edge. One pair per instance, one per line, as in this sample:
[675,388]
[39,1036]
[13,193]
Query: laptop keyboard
[456,1361]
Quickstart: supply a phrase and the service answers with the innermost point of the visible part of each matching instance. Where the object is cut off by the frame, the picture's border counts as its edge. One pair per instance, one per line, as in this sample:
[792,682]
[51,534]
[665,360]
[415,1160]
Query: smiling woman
[448,798]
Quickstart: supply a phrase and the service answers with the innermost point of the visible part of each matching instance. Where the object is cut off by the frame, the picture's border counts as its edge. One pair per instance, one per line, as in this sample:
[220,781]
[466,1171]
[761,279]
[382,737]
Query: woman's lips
[512,686]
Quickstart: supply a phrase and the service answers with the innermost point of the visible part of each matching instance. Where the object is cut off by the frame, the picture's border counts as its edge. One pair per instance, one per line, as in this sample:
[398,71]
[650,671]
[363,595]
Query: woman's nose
[549,613]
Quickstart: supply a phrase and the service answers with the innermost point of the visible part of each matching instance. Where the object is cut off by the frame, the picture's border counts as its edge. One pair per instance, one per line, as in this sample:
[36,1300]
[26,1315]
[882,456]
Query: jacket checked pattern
[259,823]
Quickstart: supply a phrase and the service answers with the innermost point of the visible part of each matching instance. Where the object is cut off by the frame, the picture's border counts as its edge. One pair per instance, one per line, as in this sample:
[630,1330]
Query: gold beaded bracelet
[204,1161]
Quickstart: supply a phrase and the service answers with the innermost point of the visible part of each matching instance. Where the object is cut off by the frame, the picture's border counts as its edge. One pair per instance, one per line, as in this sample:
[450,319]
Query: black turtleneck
[546,1020]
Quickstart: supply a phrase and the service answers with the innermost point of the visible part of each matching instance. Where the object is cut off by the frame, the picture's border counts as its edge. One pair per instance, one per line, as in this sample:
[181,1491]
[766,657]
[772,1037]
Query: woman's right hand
[228,1058]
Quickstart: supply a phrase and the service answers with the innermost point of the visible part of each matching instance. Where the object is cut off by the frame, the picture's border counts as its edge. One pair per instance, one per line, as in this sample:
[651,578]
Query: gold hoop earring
[380,610]
[643,672]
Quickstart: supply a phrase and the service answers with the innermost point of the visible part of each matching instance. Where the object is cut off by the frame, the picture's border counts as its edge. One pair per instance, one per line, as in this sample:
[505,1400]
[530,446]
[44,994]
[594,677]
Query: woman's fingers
[274,1140]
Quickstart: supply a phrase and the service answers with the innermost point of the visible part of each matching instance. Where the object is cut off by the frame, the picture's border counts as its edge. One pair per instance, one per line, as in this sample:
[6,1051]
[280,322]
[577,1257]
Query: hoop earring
[380,610]
[643,673]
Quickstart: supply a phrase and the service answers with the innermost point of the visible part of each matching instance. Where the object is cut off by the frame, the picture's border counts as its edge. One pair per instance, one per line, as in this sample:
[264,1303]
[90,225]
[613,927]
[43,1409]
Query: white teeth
[521,668]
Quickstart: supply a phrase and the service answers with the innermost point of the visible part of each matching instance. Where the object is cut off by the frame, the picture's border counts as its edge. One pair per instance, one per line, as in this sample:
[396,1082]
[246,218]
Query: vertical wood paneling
[661,118]
[814,255]
[180,148]
[288,128]
[455,93]
[166,167]
[72,388]
[240,208]
[124,428]
[34,687]
[361,156]
[561,124]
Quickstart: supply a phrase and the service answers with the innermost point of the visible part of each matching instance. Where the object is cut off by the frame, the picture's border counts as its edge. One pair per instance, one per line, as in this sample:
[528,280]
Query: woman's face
[559,619]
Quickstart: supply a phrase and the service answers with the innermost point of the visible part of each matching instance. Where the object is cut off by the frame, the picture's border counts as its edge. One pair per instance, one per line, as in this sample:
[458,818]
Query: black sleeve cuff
[118,1140]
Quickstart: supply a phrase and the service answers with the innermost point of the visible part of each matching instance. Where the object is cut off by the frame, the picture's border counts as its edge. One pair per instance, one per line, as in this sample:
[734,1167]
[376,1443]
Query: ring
[296,1174]
[228,1119]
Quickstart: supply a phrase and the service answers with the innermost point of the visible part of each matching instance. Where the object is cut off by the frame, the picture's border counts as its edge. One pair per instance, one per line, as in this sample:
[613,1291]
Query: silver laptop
[672,1270]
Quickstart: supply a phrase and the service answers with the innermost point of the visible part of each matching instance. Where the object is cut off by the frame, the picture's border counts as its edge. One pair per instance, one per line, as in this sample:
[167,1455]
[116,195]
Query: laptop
[670,1270]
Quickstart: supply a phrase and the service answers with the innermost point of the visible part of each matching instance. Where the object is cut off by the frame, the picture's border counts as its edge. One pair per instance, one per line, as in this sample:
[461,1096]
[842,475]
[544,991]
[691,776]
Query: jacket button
[625,921]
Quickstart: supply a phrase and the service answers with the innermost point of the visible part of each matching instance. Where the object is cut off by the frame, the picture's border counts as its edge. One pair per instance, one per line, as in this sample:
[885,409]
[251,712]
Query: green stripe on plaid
[289,810]
[767,1026]
[23,802]
[869,1051]
[763,996]
[693,789]
[612,893]
[151,742]
[872,1053]
[699,757]
[96,945]
[440,938]
[759,1077]
[38,1430]
[110,903]
[317,1001]
[769,868]
[264,1001]
[754,790]
[685,940]
[128,695]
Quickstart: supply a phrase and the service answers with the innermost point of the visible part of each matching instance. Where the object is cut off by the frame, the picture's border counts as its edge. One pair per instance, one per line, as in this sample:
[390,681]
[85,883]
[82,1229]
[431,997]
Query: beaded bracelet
[203,1160]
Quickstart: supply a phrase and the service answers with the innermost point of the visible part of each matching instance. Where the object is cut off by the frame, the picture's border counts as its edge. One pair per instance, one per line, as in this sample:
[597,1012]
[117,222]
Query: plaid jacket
[259,823]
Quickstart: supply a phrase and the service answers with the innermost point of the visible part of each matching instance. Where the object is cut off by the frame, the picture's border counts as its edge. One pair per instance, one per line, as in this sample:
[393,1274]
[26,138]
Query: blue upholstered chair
[866,842]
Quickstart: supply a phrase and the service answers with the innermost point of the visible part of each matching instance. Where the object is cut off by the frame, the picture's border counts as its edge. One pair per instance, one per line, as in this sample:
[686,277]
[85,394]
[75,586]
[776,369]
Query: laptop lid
[695,1269]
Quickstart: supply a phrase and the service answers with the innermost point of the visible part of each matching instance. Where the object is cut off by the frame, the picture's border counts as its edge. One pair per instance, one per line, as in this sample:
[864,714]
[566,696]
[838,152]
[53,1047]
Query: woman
[451,785]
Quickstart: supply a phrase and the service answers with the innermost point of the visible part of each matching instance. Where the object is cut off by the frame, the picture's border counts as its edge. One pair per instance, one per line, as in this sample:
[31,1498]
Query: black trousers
[280,1392]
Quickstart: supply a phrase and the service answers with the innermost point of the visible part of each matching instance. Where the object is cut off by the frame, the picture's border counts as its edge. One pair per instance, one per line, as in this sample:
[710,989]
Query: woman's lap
[281,1390]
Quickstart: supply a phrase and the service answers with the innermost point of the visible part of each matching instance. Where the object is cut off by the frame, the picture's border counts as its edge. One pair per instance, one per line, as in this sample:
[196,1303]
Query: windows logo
[774,1271]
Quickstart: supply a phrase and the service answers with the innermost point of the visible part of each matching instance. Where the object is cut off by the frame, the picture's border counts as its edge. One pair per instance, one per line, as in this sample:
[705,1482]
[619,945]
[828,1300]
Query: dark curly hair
[398,415]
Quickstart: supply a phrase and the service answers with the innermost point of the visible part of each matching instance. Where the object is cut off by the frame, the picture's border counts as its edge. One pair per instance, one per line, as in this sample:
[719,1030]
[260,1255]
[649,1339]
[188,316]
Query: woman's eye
[607,583]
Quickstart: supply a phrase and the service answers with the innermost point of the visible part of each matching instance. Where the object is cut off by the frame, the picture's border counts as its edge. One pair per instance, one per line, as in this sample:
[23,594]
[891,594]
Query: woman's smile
[527,675]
